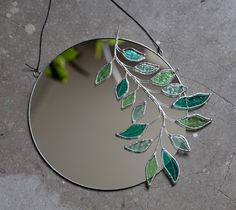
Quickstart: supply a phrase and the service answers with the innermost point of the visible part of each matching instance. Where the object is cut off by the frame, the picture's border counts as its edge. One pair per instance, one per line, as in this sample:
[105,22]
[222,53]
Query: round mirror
[74,122]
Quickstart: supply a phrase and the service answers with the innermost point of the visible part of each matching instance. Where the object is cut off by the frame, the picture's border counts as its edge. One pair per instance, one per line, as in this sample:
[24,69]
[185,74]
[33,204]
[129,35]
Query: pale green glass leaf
[133,132]
[191,102]
[122,88]
[173,90]
[103,74]
[151,169]
[139,146]
[170,166]
[179,142]
[139,111]
[194,122]
[133,55]
[70,54]
[146,68]
[163,78]
[128,100]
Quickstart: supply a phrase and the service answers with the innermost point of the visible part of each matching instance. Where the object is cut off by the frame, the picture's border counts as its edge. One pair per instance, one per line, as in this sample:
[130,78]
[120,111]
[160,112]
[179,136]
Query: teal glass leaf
[170,166]
[163,78]
[194,122]
[133,132]
[191,102]
[133,55]
[103,74]
[139,111]
[151,169]
[146,68]
[173,90]
[179,142]
[139,146]
[122,88]
[128,100]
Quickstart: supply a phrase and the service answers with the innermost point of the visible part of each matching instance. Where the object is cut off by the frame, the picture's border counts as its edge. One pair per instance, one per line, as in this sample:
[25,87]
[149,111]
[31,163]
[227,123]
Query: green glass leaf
[70,54]
[133,132]
[151,169]
[191,102]
[122,88]
[173,90]
[170,166]
[163,78]
[103,74]
[139,146]
[128,100]
[133,55]
[146,68]
[179,142]
[139,111]
[194,122]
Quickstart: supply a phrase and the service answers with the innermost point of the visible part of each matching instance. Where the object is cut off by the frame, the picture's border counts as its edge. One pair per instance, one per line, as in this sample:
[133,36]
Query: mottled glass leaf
[173,89]
[191,102]
[139,146]
[133,132]
[139,111]
[163,78]
[133,55]
[194,122]
[179,142]
[128,100]
[151,169]
[103,74]
[122,88]
[146,68]
[170,166]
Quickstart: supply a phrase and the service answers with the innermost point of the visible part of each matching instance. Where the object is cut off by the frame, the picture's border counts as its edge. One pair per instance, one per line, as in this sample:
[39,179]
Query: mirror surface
[73,122]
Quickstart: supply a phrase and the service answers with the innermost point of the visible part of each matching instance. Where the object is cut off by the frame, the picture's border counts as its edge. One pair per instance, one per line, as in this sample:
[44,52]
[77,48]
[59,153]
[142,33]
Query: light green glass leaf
[134,131]
[146,68]
[173,90]
[151,169]
[70,54]
[133,55]
[103,74]
[122,88]
[194,122]
[170,166]
[179,142]
[163,78]
[139,146]
[128,100]
[139,111]
[191,102]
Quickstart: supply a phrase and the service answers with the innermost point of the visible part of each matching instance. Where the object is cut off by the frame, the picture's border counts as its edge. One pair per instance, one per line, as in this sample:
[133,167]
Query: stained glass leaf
[179,142]
[133,132]
[128,100]
[170,166]
[139,146]
[139,111]
[103,74]
[132,54]
[146,68]
[151,169]
[194,122]
[122,88]
[173,90]
[163,78]
[191,102]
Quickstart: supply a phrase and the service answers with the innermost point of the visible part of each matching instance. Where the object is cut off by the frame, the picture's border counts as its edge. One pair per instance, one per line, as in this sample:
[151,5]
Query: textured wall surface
[197,36]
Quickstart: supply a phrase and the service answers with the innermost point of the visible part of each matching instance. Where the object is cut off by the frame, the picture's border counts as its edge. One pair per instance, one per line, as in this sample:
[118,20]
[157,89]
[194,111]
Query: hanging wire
[158,49]
[36,69]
